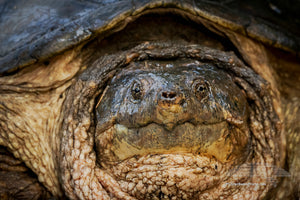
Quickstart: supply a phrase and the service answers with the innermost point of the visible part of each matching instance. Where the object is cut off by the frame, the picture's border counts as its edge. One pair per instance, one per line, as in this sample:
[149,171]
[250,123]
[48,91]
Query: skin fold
[161,109]
[163,115]
[237,142]
[177,107]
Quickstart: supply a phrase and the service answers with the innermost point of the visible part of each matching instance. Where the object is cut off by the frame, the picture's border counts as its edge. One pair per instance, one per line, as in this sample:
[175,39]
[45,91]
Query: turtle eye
[137,90]
[201,89]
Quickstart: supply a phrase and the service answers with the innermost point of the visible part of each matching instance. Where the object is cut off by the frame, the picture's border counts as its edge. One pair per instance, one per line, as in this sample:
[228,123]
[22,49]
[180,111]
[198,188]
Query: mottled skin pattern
[239,148]
[172,111]
[199,112]
[170,107]
[127,170]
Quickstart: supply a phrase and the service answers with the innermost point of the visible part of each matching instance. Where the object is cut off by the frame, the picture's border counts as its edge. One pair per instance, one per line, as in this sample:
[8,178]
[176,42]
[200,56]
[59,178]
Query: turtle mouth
[154,162]
[119,143]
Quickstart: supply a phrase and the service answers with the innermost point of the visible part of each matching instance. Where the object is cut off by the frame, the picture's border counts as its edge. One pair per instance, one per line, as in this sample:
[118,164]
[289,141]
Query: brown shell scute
[35,31]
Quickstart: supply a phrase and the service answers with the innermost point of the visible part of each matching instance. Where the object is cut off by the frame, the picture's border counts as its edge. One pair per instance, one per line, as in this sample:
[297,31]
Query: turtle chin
[168,176]
[153,162]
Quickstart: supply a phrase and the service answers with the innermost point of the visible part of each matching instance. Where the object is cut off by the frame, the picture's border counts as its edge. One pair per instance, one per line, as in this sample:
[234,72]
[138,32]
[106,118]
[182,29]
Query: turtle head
[159,108]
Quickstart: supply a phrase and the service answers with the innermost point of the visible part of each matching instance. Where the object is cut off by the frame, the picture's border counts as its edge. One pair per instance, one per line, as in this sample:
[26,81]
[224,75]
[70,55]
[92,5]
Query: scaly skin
[51,126]
[250,175]
[165,114]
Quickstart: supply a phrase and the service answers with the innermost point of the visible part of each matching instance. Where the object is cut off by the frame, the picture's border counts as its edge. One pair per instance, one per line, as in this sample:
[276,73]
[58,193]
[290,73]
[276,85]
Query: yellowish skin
[32,111]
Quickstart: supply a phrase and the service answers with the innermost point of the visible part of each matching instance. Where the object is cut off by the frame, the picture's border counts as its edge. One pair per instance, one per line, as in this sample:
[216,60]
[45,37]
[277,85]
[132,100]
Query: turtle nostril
[169,95]
[171,100]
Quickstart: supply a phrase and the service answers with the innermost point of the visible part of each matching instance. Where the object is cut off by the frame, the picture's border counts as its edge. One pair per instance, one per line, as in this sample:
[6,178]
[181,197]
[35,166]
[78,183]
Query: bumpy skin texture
[222,110]
[257,169]
[17,181]
[164,114]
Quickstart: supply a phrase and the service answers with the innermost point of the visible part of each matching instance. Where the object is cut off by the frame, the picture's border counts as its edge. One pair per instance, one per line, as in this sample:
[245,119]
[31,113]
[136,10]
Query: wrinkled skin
[199,112]
[178,110]
[180,136]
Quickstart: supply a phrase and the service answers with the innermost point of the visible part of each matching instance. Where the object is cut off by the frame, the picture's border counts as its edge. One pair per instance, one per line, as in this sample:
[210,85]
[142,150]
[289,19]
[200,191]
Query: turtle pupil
[136,91]
[200,90]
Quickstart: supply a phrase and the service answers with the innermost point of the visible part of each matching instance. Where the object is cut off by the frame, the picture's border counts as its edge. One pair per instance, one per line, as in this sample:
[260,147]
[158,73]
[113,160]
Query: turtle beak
[170,126]
[170,108]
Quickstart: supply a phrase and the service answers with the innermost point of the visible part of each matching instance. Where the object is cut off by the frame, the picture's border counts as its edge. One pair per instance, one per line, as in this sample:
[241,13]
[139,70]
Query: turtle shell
[35,30]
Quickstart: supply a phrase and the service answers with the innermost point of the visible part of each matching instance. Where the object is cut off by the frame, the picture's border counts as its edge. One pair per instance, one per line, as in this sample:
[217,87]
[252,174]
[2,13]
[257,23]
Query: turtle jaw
[219,140]
[151,161]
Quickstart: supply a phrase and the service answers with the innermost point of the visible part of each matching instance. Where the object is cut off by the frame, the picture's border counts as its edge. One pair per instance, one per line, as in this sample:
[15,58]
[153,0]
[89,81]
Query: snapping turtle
[149,100]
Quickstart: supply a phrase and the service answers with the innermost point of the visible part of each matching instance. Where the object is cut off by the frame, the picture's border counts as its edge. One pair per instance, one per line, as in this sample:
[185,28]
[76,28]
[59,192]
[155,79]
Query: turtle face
[162,113]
